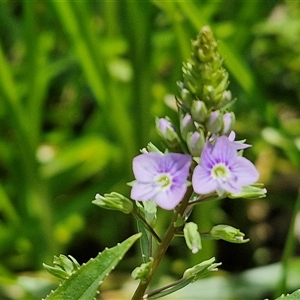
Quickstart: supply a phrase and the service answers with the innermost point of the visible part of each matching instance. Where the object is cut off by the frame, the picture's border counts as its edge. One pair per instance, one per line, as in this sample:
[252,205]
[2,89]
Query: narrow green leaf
[71,16]
[84,283]
[7,208]
[144,241]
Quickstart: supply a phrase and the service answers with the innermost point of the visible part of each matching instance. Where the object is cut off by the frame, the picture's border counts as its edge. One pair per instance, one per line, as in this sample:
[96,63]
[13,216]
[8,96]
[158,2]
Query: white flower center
[164,181]
[220,172]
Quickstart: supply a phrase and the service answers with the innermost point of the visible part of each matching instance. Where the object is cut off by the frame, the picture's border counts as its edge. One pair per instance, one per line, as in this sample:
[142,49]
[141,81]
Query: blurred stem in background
[288,250]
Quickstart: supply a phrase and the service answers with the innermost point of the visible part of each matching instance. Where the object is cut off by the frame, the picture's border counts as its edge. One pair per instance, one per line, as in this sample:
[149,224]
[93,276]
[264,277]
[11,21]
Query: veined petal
[180,167]
[143,191]
[161,177]
[146,166]
[207,160]
[174,162]
[170,198]
[202,181]
[231,186]
[223,150]
[238,145]
[221,169]
[245,171]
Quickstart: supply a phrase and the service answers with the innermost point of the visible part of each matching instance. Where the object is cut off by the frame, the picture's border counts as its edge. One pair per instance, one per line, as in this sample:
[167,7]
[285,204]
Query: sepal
[150,148]
[190,275]
[201,269]
[63,266]
[192,237]
[114,201]
[228,233]
[142,272]
[253,191]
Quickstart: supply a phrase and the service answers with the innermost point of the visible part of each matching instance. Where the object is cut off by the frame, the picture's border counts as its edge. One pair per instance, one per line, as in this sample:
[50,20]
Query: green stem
[168,237]
[168,289]
[288,250]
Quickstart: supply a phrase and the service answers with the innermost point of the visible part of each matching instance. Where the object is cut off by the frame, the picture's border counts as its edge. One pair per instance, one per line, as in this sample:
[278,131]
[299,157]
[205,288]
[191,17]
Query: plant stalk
[288,250]
[166,240]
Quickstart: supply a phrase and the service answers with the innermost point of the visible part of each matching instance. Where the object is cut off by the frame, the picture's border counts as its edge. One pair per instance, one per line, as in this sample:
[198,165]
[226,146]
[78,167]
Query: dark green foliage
[80,85]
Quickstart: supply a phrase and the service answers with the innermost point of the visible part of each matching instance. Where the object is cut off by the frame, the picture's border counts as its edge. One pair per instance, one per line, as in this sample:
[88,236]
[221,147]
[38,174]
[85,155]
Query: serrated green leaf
[293,296]
[84,283]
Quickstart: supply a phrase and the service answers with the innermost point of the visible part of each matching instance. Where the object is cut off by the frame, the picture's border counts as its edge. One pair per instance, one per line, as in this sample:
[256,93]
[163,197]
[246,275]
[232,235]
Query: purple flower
[221,169]
[161,178]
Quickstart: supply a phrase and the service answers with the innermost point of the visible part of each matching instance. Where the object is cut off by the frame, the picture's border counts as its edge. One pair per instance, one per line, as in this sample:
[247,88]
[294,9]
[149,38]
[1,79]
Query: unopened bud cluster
[203,98]
[204,78]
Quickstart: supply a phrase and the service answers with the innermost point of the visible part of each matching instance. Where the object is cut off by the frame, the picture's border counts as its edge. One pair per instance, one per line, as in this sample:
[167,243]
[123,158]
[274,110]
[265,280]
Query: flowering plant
[201,162]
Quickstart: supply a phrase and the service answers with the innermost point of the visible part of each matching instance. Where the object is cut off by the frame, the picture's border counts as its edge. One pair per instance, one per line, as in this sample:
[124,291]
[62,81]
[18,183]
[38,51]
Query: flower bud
[150,148]
[167,131]
[228,233]
[228,123]
[192,237]
[214,122]
[114,201]
[199,111]
[222,86]
[186,125]
[209,93]
[63,266]
[226,98]
[195,142]
[201,270]
[142,272]
[253,191]
[185,95]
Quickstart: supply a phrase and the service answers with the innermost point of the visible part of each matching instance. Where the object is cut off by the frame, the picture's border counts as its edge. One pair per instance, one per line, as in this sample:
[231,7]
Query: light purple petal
[146,166]
[241,171]
[178,166]
[169,199]
[231,186]
[231,136]
[223,150]
[238,145]
[143,191]
[149,167]
[174,162]
[202,181]
[245,171]
[207,160]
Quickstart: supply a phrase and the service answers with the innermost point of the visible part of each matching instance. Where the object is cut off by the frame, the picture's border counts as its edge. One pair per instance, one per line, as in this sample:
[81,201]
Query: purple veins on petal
[221,169]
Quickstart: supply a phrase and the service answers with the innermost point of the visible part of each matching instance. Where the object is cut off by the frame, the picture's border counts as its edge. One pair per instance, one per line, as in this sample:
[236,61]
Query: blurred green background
[80,85]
